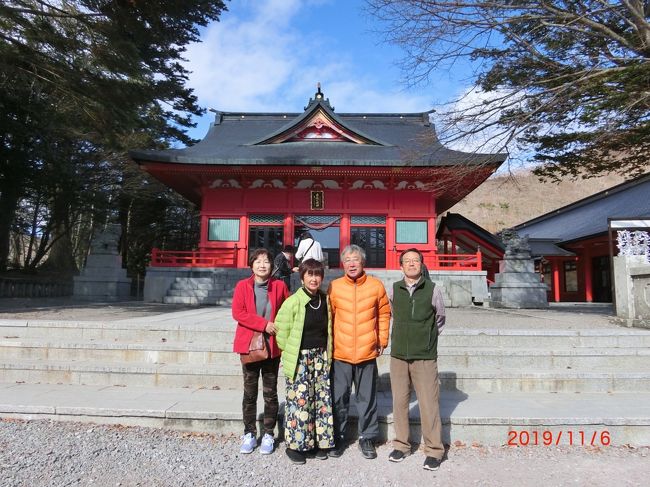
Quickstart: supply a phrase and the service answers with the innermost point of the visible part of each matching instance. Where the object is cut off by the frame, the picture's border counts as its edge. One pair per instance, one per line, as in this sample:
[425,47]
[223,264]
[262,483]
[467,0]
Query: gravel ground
[42,453]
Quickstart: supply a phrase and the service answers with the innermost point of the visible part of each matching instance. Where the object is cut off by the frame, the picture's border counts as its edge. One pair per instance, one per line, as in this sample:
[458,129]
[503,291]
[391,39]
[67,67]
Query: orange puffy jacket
[360,316]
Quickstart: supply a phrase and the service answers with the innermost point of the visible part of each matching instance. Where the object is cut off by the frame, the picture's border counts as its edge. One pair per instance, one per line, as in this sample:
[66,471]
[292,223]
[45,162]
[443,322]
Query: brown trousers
[423,374]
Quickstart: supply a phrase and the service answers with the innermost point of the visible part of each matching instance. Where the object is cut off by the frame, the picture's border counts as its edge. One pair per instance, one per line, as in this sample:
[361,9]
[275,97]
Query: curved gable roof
[389,139]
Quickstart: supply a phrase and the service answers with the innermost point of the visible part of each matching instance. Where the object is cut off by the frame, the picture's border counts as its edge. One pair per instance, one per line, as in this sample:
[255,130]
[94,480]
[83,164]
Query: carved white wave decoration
[633,243]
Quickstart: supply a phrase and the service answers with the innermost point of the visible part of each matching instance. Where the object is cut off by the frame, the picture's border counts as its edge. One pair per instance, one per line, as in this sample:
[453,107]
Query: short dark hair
[312,266]
[256,253]
[413,249]
[289,248]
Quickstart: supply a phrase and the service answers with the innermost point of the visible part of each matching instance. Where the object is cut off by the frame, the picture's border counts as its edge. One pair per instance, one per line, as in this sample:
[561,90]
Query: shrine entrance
[326,230]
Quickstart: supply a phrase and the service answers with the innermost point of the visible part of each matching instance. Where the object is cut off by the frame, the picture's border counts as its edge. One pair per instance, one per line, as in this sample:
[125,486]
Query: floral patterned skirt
[308,410]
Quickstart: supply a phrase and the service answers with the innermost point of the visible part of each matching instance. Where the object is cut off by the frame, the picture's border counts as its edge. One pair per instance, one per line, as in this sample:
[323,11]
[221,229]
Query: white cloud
[266,62]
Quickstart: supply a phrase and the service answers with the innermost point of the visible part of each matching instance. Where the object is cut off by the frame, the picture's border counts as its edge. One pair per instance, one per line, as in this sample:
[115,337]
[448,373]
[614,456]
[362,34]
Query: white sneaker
[267,444]
[248,443]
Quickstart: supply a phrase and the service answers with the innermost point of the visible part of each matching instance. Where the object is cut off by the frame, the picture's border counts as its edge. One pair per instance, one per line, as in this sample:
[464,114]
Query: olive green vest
[415,334]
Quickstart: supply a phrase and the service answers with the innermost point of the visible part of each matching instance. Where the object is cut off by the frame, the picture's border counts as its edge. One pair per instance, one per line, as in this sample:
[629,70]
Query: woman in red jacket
[255,303]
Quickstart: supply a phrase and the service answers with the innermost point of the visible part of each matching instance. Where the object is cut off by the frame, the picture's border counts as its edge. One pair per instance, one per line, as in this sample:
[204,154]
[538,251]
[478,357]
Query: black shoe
[321,454]
[337,451]
[296,457]
[396,456]
[431,463]
[367,448]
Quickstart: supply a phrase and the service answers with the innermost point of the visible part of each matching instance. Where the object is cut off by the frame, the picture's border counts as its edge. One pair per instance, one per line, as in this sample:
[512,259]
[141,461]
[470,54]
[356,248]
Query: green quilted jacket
[290,321]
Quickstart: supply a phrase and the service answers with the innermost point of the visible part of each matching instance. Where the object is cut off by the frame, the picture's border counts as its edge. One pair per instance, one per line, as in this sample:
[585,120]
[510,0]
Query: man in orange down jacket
[361,317]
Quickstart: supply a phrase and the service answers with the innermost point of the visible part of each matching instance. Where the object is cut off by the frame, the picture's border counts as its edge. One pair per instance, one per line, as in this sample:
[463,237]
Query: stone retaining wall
[460,288]
[34,288]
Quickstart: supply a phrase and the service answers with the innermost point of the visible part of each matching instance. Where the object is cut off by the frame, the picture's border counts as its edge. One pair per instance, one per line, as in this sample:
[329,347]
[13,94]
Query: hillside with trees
[505,201]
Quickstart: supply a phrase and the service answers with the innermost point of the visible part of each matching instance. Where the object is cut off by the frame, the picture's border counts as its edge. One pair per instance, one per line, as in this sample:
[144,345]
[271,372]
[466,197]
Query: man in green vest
[418,317]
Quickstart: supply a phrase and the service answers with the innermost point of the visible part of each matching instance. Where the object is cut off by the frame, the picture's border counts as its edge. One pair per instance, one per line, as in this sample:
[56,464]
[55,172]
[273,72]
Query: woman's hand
[270,328]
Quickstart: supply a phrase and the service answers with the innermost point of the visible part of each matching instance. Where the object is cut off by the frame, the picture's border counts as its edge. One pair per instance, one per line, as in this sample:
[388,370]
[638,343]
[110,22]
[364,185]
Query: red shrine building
[375,180]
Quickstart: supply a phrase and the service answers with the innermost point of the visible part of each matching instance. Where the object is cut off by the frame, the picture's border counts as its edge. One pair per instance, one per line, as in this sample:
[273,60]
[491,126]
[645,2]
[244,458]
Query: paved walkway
[563,316]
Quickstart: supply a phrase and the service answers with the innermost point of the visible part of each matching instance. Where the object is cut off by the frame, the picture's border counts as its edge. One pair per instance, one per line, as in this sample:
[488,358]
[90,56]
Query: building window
[367,220]
[223,229]
[411,232]
[270,219]
[571,276]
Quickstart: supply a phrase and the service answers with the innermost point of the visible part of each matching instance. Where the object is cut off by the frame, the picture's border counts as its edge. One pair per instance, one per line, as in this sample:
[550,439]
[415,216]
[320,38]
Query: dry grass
[505,201]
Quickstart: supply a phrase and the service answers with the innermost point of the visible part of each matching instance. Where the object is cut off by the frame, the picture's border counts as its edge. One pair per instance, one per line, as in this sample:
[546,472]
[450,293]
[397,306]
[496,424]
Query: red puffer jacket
[360,317]
[248,321]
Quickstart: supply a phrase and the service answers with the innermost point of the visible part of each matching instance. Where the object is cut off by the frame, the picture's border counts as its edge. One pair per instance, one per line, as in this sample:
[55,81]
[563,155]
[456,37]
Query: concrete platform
[619,419]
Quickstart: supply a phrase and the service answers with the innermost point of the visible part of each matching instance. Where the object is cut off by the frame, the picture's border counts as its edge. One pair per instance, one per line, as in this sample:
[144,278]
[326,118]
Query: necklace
[319,303]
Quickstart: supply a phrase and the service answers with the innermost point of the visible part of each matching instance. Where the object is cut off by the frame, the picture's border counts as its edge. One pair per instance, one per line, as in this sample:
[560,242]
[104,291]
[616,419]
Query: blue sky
[268,55]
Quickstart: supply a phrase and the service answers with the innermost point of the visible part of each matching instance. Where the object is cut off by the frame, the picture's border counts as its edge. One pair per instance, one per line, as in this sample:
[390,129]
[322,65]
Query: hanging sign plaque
[317,200]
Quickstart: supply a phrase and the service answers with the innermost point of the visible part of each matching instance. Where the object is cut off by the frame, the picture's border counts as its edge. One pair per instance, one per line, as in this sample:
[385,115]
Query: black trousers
[269,370]
[364,378]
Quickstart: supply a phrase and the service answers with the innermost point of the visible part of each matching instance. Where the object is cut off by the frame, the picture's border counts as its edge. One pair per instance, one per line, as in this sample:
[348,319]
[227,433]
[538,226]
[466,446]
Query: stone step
[149,353]
[546,339]
[531,380]
[216,286]
[213,329]
[229,376]
[579,359]
[184,300]
[219,300]
[91,372]
[594,420]
[195,293]
[123,334]
[189,286]
[210,294]
[195,280]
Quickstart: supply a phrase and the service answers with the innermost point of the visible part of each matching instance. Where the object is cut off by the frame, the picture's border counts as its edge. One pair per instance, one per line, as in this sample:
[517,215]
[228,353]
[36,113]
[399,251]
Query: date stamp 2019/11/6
[560,437]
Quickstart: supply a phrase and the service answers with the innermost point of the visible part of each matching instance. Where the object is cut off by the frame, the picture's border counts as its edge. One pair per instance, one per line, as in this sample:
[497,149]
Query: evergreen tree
[79,81]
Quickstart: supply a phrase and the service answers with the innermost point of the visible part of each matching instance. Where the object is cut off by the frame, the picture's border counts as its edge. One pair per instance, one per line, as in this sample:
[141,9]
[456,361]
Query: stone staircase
[484,372]
[218,288]
[201,291]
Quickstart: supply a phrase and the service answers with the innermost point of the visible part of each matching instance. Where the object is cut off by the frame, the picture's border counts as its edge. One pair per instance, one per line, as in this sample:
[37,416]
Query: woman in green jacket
[304,334]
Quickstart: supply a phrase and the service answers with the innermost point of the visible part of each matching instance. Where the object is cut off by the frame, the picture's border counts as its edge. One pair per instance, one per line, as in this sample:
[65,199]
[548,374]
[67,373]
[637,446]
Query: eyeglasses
[411,261]
[356,260]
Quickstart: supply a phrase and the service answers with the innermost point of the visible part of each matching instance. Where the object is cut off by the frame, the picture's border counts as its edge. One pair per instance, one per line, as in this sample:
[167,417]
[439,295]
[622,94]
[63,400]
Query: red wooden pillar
[287,230]
[556,280]
[431,234]
[344,231]
[391,250]
[586,263]
[241,247]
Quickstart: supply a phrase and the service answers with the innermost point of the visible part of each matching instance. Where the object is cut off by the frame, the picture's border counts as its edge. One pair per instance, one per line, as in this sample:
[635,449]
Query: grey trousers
[364,378]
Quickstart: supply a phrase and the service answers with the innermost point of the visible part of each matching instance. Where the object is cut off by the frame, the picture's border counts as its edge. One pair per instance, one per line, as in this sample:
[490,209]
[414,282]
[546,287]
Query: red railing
[455,262]
[194,258]
[228,258]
